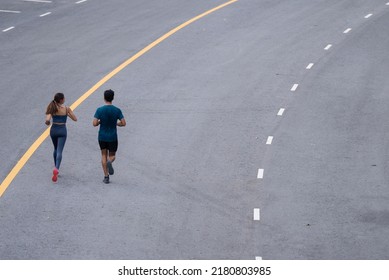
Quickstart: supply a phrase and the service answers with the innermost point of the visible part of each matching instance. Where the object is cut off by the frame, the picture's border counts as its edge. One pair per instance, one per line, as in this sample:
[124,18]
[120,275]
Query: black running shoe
[106,179]
[110,168]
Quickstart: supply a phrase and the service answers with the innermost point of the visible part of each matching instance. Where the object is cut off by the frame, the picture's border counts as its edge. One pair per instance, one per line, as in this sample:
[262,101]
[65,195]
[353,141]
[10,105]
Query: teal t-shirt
[108,116]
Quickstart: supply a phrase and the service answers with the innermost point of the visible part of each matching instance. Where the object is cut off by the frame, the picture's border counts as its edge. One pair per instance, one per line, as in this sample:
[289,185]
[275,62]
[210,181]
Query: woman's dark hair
[52,108]
[108,95]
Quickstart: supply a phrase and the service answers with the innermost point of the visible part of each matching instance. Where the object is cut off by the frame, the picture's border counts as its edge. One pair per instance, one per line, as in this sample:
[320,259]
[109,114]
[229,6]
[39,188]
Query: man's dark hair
[108,95]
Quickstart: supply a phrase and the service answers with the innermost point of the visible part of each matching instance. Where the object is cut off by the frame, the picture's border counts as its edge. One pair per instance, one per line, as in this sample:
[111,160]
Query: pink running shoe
[55,175]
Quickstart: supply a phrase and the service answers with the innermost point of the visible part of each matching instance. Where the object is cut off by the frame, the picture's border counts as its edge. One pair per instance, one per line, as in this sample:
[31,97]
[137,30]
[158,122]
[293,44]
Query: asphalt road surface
[257,131]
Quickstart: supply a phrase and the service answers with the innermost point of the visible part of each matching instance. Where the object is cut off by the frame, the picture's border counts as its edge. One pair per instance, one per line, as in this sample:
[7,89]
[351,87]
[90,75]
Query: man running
[108,117]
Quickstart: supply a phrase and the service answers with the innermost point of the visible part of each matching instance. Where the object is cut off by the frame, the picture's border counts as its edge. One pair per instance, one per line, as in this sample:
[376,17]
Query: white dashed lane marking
[260,173]
[310,65]
[257,214]
[294,87]
[369,15]
[269,140]
[347,30]
[38,1]
[328,47]
[9,11]
[258,258]
[9,28]
[46,14]
[281,112]
[82,1]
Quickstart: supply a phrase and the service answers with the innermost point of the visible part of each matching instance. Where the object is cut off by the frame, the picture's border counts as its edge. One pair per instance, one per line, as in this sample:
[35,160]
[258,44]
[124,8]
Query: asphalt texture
[200,107]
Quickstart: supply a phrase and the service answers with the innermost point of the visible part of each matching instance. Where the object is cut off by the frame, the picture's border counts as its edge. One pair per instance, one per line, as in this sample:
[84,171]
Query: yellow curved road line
[11,176]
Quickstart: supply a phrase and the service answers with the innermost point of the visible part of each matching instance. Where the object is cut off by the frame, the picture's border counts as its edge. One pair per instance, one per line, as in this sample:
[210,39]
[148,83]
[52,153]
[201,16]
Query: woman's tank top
[60,118]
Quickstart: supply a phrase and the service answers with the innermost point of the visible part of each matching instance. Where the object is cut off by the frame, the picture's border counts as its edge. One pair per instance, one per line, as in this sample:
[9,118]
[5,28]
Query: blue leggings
[58,134]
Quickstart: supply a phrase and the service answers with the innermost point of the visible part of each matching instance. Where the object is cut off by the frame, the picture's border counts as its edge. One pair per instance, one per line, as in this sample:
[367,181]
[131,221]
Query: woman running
[57,111]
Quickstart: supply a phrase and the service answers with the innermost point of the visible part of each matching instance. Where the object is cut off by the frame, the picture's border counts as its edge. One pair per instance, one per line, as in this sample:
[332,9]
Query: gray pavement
[200,107]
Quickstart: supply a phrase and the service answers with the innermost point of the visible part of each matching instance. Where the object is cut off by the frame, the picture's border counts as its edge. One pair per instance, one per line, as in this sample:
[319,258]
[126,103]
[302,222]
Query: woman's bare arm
[72,115]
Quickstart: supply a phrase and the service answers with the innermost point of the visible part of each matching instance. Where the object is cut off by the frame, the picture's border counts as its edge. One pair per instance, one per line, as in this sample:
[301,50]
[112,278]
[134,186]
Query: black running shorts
[110,146]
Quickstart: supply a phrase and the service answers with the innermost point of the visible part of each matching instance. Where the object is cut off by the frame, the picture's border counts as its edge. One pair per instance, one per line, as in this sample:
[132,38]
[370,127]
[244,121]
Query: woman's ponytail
[52,108]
